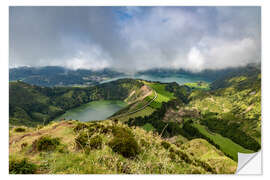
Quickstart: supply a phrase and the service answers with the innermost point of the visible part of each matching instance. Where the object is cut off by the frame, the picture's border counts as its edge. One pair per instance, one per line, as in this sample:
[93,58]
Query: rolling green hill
[31,105]
[235,102]
[228,116]
[165,129]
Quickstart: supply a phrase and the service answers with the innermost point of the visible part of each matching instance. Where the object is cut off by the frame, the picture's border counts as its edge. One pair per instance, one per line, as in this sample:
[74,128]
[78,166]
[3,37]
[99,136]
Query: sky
[135,38]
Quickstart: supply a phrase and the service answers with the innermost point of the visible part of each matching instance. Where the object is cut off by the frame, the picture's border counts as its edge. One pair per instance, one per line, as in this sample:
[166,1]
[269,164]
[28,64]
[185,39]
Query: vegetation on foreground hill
[140,152]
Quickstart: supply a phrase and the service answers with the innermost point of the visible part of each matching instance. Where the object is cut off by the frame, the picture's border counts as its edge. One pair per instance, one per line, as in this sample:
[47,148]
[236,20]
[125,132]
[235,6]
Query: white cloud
[195,59]
[234,53]
[92,57]
[194,38]
[178,38]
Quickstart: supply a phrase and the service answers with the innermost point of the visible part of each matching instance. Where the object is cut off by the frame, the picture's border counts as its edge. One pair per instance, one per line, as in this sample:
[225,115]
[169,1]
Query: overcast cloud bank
[135,38]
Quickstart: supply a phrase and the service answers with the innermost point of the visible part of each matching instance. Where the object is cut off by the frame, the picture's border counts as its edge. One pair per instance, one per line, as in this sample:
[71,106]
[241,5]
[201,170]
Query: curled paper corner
[249,163]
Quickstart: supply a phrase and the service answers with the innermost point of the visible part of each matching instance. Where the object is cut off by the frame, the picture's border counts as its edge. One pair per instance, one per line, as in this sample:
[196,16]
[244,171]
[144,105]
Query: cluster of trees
[181,92]
[231,130]
[192,132]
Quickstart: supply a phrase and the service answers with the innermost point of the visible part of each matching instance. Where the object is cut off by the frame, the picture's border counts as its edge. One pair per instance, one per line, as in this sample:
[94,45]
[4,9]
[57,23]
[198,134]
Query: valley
[149,89]
[196,127]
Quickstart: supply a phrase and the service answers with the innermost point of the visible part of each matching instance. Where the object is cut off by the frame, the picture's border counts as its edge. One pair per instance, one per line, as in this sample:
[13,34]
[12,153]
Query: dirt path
[39,132]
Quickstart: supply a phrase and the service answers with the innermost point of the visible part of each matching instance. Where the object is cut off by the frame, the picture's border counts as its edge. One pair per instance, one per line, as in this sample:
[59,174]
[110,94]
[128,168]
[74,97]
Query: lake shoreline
[92,111]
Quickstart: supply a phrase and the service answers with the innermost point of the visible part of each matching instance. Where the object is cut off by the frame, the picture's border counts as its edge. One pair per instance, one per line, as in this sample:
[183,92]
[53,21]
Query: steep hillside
[32,105]
[107,147]
[234,103]
[155,95]
[228,115]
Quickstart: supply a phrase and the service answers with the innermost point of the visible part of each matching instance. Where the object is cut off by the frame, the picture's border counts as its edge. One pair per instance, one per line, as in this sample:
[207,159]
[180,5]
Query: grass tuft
[22,167]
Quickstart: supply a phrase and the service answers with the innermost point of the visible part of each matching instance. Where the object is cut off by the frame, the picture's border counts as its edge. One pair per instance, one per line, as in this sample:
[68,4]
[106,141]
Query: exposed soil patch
[143,93]
[146,91]
[40,132]
[177,115]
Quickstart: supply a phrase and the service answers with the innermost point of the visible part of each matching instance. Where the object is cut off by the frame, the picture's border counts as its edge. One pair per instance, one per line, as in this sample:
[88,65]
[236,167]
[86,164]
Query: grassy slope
[225,144]
[152,159]
[205,102]
[238,102]
[206,153]
[198,85]
[22,99]
[162,96]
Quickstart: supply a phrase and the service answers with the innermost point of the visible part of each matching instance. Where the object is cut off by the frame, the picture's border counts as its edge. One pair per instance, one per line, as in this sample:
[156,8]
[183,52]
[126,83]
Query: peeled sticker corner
[249,163]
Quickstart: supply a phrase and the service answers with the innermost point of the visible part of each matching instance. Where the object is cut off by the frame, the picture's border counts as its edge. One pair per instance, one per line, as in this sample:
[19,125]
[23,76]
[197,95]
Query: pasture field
[226,145]
[162,94]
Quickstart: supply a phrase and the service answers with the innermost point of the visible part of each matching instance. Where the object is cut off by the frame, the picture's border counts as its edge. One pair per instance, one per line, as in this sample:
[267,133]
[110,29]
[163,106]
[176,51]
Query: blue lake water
[180,79]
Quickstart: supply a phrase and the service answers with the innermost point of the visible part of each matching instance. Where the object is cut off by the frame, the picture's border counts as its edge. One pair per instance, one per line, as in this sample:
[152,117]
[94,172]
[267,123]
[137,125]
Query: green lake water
[95,110]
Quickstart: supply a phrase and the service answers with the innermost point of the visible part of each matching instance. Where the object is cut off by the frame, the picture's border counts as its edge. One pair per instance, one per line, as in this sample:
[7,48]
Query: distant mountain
[50,76]
[209,74]
[59,76]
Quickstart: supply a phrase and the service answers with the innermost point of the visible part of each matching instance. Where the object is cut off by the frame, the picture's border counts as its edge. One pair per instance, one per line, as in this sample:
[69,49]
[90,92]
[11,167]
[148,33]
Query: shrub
[22,167]
[84,141]
[121,132]
[97,127]
[172,155]
[127,146]
[124,143]
[144,143]
[19,129]
[106,130]
[95,142]
[115,121]
[46,143]
[165,144]
[81,140]
[183,156]
[79,127]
